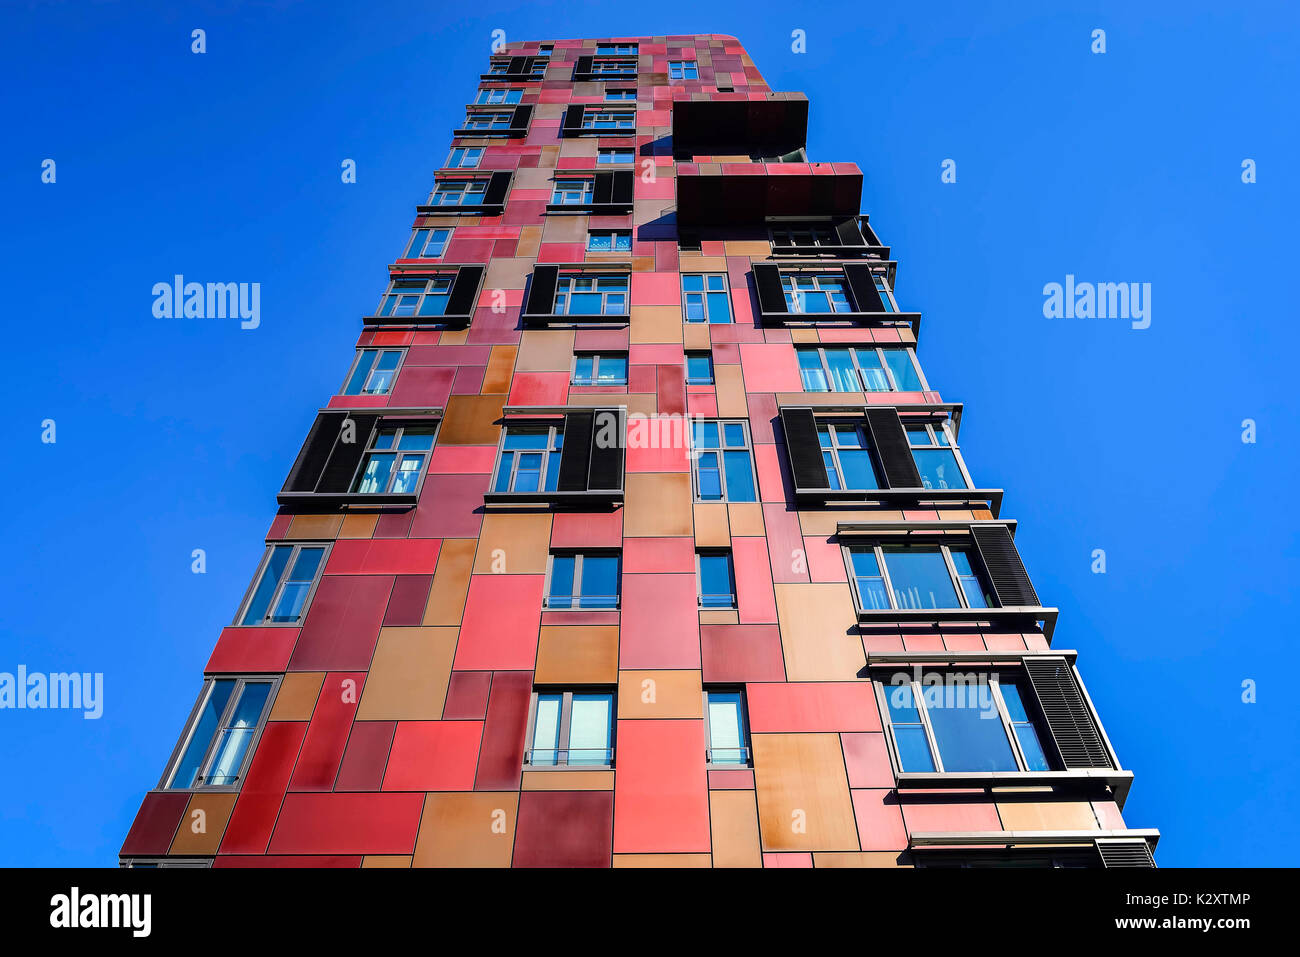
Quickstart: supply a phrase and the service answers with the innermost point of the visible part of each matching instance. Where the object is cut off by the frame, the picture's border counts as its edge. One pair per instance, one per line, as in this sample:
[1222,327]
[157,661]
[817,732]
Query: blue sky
[1117,167]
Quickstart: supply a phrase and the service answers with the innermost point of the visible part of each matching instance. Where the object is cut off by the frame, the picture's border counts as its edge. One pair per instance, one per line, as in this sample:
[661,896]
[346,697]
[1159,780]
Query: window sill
[549,319]
[337,499]
[993,496]
[509,132]
[872,319]
[581,497]
[480,209]
[451,322]
[834,252]
[1079,780]
[998,617]
[594,209]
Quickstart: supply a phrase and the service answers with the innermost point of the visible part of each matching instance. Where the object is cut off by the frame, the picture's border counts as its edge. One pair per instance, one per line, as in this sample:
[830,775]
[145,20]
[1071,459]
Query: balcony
[728,194]
[728,124]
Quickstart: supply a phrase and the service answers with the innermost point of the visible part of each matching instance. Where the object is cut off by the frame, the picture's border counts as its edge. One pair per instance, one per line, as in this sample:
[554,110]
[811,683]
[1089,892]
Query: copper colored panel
[711,528]
[695,337]
[733,819]
[819,634]
[746,519]
[552,780]
[386,860]
[499,369]
[656,324]
[472,420]
[575,654]
[861,859]
[450,582]
[803,793]
[314,526]
[513,543]
[408,676]
[658,504]
[660,694]
[297,696]
[545,350]
[1047,816]
[467,830]
[662,860]
[730,387]
[203,823]
[358,525]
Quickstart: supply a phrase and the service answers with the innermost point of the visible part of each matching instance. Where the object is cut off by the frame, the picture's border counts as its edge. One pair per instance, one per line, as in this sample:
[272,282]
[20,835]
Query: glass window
[572,192]
[465,157]
[458,192]
[496,96]
[417,296]
[600,369]
[868,579]
[616,49]
[609,241]
[705,298]
[716,581]
[682,70]
[910,737]
[427,244]
[964,718]
[935,458]
[886,296]
[847,457]
[608,120]
[917,577]
[591,295]
[902,368]
[618,156]
[728,734]
[488,121]
[699,369]
[373,372]
[1031,748]
[572,728]
[284,584]
[858,369]
[971,586]
[216,744]
[530,459]
[614,68]
[619,95]
[810,294]
[721,462]
[798,234]
[394,461]
[583,581]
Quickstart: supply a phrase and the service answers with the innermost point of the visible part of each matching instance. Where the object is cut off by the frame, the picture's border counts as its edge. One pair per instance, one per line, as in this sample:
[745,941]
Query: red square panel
[660,626]
[433,756]
[661,793]
[327,735]
[813,706]
[348,824]
[499,629]
[564,829]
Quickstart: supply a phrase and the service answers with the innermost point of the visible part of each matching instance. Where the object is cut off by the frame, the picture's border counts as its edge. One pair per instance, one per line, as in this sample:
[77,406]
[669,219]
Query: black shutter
[498,186]
[522,116]
[866,297]
[604,191]
[767,279]
[343,461]
[541,292]
[1007,573]
[848,234]
[606,470]
[315,453]
[804,449]
[1125,853]
[1068,718]
[583,67]
[575,458]
[518,64]
[889,439]
[623,187]
[464,292]
[572,120]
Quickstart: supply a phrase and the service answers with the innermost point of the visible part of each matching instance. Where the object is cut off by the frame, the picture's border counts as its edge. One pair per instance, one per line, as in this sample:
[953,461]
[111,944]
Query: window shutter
[889,439]
[848,234]
[606,470]
[1068,718]
[623,186]
[464,292]
[315,453]
[866,297]
[583,67]
[575,459]
[498,186]
[343,461]
[604,191]
[518,64]
[1125,853]
[572,120]
[541,292]
[522,116]
[803,448]
[771,297]
[1006,572]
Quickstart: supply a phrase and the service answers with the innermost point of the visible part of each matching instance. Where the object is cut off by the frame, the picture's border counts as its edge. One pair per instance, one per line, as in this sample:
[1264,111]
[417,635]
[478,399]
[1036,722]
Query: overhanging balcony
[724,194]
[730,124]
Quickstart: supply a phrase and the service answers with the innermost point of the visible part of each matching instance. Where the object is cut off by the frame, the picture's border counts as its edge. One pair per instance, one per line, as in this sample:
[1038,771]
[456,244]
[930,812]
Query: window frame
[699,579]
[562,186]
[553,428]
[446,274]
[356,362]
[619,95]
[466,182]
[696,380]
[617,49]
[262,566]
[564,287]
[704,294]
[604,151]
[478,159]
[684,67]
[241,679]
[589,114]
[565,727]
[936,427]
[595,369]
[618,65]
[506,93]
[746,742]
[399,426]
[796,297]
[945,550]
[864,436]
[890,378]
[432,231]
[722,467]
[615,235]
[578,556]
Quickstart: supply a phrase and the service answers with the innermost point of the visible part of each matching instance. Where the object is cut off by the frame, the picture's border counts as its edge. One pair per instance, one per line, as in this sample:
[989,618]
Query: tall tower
[635,533]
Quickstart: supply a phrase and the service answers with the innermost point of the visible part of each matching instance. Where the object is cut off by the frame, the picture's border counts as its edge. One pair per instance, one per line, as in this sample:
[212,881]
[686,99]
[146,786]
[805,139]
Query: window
[591,296]
[394,461]
[608,120]
[726,729]
[498,96]
[373,372]
[886,294]
[545,49]
[682,70]
[847,456]
[916,577]
[935,459]
[720,459]
[573,192]
[616,156]
[488,121]
[465,157]
[216,744]
[427,244]
[807,293]
[705,298]
[716,582]
[609,241]
[571,729]
[970,722]
[530,459]
[798,234]
[584,580]
[699,368]
[599,369]
[499,69]
[616,49]
[613,68]
[617,95]
[417,296]
[283,585]
[458,192]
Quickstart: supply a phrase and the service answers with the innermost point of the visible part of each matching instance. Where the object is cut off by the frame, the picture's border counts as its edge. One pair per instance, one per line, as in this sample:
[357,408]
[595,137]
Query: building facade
[635,534]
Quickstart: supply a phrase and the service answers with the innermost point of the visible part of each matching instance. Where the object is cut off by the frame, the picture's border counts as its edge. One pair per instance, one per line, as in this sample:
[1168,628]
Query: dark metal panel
[1007,573]
[575,458]
[803,448]
[866,297]
[889,440]
[541,291]
[343,461]
[767,280]
[1068,718]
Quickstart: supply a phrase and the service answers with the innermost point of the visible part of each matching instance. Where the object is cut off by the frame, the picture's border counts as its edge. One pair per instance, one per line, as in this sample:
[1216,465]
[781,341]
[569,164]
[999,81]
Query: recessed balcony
[750,193]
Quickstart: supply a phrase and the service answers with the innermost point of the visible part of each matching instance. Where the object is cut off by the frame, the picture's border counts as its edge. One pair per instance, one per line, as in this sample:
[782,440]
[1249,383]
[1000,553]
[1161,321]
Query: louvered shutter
[518,64]
[607,441]
[889,439]
[498,186]
[866,297]
[1125,853]
[803,448]
[343,461]
[541,291]
[315,453]
[603,193]
[464,292]
[1007,573]
[767,280]
[848,234]
[1068,718]
[521,118]
[583,67]
[572,120]
[575,458]
[623,187]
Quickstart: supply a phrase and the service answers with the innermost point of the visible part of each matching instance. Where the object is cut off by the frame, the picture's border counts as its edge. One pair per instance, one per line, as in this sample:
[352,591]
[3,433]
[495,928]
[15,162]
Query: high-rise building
[636,534]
